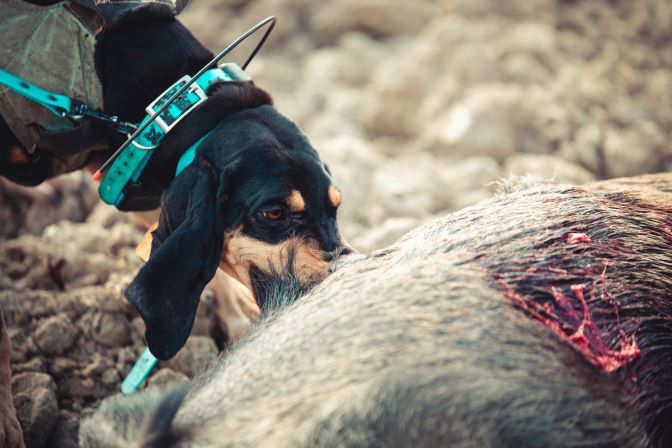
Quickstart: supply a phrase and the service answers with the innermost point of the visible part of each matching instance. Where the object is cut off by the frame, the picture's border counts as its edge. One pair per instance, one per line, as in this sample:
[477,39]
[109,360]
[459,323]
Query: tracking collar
[127,163]
[127,168]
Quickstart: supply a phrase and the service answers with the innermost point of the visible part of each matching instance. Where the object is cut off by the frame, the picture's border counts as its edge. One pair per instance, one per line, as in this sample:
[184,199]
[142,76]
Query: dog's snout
[346,260]
[332,255]
[343,257]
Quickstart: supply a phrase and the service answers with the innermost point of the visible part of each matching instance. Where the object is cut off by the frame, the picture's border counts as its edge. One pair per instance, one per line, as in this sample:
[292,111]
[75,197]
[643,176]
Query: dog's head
[256,196]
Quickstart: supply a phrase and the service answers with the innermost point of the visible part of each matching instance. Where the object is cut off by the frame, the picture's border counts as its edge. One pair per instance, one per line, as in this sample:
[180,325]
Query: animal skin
[539,318]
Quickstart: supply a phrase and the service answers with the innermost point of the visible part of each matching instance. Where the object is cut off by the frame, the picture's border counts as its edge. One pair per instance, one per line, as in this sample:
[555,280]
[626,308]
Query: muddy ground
[417,107]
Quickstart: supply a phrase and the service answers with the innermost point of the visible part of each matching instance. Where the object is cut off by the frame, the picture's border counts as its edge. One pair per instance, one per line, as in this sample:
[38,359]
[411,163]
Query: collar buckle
[179,107]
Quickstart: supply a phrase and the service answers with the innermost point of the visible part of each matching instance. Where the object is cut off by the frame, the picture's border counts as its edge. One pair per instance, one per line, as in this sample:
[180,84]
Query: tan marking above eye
[296,202]
[334,195]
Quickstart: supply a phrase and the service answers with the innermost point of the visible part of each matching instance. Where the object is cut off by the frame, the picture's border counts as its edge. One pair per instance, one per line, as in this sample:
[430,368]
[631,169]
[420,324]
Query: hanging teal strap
[139,372]
[60,105]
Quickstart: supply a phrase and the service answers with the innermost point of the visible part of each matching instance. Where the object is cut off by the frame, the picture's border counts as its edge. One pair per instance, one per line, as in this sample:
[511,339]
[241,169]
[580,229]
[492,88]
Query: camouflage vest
[52,47]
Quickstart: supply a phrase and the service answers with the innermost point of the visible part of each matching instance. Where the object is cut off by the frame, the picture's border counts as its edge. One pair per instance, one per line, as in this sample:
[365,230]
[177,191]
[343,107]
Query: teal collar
[130,164]
[189,155]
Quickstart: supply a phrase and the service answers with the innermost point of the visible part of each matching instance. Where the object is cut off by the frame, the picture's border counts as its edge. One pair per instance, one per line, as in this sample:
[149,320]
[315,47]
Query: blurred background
[418,107]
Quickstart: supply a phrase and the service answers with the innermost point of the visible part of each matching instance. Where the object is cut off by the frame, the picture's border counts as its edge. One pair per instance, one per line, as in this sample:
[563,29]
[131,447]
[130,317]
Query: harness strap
[189,155]
[59,105]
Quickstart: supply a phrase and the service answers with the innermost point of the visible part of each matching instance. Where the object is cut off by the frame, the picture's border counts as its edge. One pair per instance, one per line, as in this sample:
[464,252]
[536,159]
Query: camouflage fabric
[52,47]
[112,10]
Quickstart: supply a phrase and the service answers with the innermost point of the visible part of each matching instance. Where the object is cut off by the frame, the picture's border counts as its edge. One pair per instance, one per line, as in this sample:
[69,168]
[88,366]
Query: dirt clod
[36,406]
[198,352]
[55,335]
[111,330]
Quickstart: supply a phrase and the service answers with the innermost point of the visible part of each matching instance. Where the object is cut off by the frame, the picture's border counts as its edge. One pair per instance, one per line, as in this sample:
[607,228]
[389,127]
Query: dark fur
[422,345]
[167,289]
[158,431]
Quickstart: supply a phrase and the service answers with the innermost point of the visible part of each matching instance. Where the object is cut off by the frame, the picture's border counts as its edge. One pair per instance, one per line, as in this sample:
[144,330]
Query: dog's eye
[275,214]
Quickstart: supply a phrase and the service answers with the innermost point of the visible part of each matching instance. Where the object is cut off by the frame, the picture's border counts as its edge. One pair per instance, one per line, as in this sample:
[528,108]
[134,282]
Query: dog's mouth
[345,261]
[277,274]
[274,273]
[275,290]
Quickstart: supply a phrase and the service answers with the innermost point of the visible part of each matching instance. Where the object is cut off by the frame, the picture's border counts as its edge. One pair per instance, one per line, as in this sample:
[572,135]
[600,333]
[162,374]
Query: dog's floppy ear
[186,249]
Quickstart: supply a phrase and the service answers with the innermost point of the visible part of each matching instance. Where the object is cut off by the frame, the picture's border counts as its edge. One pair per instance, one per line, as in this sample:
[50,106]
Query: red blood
[575,238]
[588,341]
[579,330]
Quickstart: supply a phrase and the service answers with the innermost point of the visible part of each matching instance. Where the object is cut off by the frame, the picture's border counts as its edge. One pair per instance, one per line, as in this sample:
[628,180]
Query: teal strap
[128,167]
[58,104]
[139,372]
[189,155]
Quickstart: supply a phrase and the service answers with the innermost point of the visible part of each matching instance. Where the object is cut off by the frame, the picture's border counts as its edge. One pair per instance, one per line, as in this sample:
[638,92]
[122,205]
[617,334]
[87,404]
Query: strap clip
[79,111]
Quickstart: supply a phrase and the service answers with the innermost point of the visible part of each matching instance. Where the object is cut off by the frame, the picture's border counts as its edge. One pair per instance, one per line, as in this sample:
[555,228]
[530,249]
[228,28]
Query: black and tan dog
[256,197]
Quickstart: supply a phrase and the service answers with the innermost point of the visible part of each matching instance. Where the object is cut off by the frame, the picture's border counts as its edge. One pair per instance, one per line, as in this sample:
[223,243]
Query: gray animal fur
[416,346]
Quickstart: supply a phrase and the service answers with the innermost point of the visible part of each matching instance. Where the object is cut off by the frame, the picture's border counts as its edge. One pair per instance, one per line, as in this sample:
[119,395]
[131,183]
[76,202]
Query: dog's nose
[344,261]
[330,256]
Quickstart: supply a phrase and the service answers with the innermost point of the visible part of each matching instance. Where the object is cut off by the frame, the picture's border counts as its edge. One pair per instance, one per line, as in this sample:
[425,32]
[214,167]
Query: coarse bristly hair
[540,318]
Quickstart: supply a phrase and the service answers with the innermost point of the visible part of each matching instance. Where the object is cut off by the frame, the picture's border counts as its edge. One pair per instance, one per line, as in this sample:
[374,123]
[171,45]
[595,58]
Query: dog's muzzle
[346,260]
